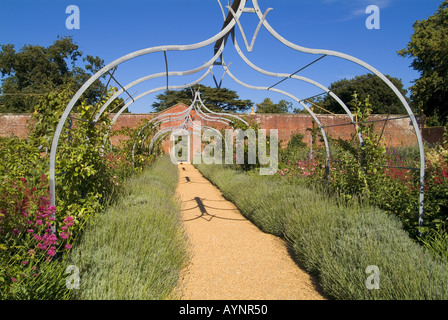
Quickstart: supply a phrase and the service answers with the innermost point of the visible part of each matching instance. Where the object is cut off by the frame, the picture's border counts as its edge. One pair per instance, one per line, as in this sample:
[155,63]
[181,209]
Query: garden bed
[340,241]
[136,249]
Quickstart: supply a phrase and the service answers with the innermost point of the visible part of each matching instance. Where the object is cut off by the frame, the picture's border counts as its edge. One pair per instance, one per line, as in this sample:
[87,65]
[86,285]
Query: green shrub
[296,141]
[136,249]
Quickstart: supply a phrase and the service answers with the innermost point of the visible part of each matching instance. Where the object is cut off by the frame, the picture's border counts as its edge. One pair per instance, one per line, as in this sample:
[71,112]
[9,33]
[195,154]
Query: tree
[221,100]
[382,98]
[267,106]
[34,71]
[429,49]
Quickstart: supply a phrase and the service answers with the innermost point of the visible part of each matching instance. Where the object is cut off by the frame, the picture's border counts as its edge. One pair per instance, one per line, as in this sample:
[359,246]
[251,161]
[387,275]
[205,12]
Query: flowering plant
[26,222]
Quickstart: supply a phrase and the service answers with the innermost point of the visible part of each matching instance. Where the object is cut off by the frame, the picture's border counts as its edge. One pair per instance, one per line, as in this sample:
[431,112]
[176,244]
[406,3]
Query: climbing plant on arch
[231,25]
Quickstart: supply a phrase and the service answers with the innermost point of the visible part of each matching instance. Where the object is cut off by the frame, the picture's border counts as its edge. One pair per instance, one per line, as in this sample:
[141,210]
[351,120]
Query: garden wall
[396,132]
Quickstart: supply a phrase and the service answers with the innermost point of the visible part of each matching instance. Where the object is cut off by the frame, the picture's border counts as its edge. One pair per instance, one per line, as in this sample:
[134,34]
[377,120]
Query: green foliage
[47,282]
[138,145]
[428,48]
[436,195]
[82,175]
[267,106]
[218,100]
[296,151]
[296,141]
[383,100]
[359,173]
[136,249]
[35,71]
[20,159]
[436,241]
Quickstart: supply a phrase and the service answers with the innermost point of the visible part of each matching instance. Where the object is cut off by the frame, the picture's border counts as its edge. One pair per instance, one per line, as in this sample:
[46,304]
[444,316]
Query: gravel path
[230,257]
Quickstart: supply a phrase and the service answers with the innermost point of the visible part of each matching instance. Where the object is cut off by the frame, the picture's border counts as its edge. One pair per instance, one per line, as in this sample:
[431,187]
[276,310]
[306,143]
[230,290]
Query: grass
[336,240]
[136,248]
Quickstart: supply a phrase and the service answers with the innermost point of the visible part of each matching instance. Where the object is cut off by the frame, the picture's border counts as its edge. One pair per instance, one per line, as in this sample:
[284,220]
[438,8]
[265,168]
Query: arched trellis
[233,19]
[188,123]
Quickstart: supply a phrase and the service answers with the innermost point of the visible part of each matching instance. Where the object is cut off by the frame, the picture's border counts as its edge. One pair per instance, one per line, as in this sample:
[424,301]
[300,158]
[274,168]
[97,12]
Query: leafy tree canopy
[222,100]
[34,71]
[382,98]
[429,49]
[267,106]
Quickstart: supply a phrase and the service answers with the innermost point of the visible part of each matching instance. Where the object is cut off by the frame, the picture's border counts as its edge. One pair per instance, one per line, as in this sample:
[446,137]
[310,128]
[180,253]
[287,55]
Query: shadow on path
[205,214]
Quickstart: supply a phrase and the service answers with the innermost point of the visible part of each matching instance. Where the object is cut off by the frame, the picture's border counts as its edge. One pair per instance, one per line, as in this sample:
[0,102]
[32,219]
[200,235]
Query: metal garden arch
[231,21]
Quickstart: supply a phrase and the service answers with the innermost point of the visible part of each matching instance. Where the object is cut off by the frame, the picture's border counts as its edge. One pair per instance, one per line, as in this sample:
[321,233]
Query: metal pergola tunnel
[219,41]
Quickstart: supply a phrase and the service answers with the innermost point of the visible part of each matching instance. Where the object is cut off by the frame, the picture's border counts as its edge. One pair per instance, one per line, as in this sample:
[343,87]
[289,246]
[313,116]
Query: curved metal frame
[188,123]
[233,20]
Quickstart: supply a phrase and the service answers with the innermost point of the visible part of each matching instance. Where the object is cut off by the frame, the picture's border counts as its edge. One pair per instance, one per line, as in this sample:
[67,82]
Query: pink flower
[52,251]
[64,235]
[14,279]
[39,222]
[24,262]
[68,246]
[30,230]
[50,239]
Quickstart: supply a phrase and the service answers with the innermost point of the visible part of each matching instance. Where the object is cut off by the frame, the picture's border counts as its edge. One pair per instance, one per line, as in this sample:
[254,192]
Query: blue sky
[110,29]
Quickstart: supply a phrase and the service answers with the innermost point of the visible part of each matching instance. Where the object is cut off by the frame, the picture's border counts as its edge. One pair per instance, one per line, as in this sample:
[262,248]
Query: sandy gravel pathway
[230,257]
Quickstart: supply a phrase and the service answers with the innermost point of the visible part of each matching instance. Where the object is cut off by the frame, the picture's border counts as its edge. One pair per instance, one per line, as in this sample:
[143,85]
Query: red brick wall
[14,125]
[396,132]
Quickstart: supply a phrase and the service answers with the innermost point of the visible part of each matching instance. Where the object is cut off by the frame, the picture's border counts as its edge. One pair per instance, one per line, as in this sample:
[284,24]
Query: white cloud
[356,8]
